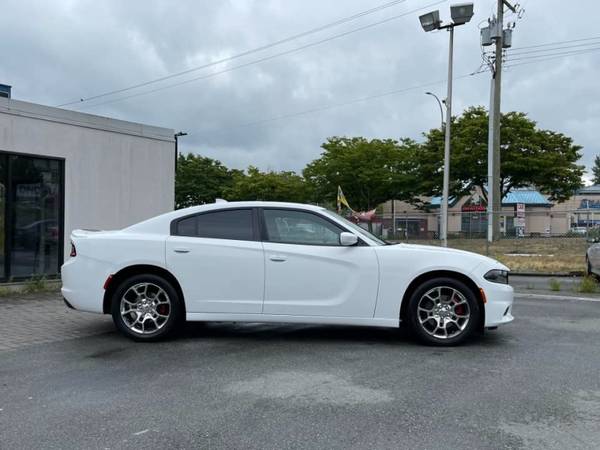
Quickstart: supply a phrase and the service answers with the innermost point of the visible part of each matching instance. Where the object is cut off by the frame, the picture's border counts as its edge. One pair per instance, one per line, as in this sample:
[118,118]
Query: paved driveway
[532,384]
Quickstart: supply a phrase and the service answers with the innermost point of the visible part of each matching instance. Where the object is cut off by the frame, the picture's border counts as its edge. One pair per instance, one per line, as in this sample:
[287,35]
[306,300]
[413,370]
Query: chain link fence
[543,241]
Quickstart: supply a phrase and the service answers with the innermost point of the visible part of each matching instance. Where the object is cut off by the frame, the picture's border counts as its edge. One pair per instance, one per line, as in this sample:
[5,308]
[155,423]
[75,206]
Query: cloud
[65,50]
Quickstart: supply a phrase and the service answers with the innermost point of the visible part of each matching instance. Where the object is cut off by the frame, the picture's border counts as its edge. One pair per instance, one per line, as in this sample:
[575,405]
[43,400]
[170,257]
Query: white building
[61,170]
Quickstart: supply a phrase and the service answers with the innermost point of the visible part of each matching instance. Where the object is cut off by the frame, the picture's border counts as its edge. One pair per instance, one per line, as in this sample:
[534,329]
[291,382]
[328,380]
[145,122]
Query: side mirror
[348,239]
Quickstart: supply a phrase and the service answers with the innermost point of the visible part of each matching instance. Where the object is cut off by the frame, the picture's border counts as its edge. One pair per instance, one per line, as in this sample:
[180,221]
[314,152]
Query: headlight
[497,276]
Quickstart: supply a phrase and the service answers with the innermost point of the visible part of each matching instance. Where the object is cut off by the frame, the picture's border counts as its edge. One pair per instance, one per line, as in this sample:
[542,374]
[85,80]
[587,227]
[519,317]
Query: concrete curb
[548,274]
[555,297]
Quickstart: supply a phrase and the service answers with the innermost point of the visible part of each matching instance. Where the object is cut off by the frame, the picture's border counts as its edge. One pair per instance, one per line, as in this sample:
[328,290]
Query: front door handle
[277,258]
[181,250]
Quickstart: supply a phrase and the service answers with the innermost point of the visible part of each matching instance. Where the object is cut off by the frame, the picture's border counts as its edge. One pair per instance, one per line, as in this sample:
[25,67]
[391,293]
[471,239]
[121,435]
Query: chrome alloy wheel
[443,312]
[145,308]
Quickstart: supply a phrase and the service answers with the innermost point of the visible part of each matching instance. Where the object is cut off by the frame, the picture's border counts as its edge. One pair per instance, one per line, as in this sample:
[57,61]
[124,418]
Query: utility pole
[496,33]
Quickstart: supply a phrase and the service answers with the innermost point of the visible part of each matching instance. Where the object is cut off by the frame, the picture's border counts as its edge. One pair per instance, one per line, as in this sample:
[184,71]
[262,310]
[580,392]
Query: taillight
[73,250]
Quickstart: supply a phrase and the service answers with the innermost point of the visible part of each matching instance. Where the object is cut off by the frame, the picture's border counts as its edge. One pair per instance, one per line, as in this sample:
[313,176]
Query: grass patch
[554,285]
[541,255]
[588,285]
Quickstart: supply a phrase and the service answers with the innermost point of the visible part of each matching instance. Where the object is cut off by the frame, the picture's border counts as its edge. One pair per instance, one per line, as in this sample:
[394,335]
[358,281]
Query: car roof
[248,204]
[159,222]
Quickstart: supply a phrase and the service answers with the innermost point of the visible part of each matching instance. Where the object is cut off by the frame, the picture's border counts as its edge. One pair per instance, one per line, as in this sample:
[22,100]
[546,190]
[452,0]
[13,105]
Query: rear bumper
[80,288]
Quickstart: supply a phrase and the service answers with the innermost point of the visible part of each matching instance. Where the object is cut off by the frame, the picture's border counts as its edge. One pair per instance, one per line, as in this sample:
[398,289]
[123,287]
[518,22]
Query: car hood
[467,258]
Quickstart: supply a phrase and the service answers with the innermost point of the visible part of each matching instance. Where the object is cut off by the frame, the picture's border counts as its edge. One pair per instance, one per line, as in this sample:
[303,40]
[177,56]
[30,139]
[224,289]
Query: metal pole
[491,186]
[393,219]
[446,186]
[441,108]
[176,153]
[497,204]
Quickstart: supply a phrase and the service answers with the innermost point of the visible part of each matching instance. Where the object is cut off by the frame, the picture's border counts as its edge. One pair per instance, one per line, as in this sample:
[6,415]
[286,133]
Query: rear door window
[236,224]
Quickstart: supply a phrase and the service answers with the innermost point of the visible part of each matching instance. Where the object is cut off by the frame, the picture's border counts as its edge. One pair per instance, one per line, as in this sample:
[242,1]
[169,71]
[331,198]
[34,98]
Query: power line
[572,52]
[393,92]
[346,103]
[244,53]
[266,58]
[382,94]
[548,57]
[549,49]
[555,43]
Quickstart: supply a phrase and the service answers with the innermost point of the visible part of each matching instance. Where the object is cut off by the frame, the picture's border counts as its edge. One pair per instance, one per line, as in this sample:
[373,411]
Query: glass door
[31,216]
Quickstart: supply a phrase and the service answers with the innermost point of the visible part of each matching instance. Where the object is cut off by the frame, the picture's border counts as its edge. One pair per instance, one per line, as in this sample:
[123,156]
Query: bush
[588,285]
[554,285]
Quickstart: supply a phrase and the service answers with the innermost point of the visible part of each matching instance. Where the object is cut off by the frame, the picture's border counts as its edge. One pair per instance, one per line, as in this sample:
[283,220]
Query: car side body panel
[101,254]
[218,275]
[229,280]
[313,280]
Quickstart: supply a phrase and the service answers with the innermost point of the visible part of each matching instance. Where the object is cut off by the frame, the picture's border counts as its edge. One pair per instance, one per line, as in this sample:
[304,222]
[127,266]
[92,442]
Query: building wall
[116,173]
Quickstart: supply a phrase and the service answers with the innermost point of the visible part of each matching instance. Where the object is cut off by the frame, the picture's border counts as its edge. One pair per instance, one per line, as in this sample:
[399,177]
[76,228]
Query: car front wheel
[146,308]
[443,311]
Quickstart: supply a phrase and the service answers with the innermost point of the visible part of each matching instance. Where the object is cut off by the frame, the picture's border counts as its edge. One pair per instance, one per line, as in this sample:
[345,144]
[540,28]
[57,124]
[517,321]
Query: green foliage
[588,285]
[269,186]
[200,180]
[370,172]
[596,170]
[554,285]
[529,156]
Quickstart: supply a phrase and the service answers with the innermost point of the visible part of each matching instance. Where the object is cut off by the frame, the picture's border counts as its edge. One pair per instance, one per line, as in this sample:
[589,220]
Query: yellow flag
[341,200]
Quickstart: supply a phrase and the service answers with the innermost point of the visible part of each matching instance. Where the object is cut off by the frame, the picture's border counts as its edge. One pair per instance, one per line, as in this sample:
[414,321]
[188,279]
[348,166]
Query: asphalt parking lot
[78,384]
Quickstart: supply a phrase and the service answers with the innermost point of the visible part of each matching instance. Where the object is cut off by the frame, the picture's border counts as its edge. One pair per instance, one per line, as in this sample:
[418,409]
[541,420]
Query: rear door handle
[181,250]
[277,258]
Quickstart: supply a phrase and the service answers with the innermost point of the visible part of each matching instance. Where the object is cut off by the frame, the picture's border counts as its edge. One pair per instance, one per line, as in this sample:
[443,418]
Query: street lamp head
[461,13]
[430,21]
[181,133]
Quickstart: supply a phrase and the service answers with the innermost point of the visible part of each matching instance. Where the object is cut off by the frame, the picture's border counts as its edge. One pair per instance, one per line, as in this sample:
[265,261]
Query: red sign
[476,208]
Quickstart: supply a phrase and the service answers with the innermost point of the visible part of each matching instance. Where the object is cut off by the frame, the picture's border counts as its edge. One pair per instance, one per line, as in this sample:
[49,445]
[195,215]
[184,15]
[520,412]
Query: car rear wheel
[146,308]
[443,311]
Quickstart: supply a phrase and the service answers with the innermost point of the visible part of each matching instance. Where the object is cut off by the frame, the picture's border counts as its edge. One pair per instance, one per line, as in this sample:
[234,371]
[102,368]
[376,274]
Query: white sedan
[279,262]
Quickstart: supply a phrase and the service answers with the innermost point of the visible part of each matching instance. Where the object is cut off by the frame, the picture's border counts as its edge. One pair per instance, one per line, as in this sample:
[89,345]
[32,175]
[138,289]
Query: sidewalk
[42,318]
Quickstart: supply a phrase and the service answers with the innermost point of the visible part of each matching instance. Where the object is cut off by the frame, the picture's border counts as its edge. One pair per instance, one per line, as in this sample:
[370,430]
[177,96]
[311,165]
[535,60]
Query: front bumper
[498,308]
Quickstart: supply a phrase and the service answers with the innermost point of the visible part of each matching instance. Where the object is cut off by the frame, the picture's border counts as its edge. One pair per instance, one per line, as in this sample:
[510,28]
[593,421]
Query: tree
[200,180]
[596,170]
[268,186]
[529,157]
[369,172]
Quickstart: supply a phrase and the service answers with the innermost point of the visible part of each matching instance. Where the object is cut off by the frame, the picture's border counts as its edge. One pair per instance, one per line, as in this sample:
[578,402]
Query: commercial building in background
[584,208]
[61,170]
[525,212]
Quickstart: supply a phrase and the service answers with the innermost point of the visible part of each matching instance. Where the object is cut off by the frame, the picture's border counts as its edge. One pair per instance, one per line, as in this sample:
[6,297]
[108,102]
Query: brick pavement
[43,318]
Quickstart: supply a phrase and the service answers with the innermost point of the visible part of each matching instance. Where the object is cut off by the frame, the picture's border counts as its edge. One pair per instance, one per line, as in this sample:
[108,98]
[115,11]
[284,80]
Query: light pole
[441,108]
[461,14]
[176,136]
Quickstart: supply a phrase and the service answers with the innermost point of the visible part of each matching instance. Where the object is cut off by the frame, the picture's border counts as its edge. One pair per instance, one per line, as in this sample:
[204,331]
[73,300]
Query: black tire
[589,270]
[158,327]
[422,326]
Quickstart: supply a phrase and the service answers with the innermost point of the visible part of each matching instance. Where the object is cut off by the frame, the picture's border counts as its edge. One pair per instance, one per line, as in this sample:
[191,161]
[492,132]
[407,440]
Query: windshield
[359,230]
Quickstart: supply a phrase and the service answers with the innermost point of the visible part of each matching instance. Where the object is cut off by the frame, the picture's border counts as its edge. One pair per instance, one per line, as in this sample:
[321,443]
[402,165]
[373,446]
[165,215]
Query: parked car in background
[279,262]
[592,257]
[579,230]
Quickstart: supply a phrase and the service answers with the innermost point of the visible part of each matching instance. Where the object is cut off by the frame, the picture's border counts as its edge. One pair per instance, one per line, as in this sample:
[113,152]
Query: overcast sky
[55,52]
